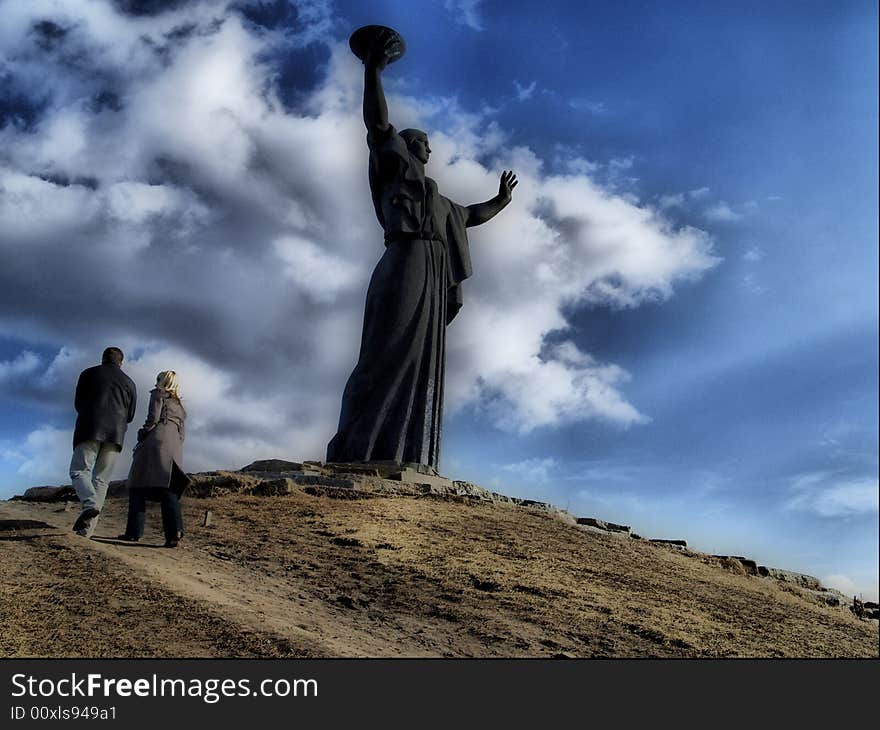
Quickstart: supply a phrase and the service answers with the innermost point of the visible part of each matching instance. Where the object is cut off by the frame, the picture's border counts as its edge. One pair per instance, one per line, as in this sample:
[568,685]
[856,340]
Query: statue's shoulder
[389,138]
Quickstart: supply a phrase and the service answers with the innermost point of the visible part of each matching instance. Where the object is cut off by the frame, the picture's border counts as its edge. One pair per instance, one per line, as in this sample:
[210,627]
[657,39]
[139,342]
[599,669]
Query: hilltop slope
[361,568]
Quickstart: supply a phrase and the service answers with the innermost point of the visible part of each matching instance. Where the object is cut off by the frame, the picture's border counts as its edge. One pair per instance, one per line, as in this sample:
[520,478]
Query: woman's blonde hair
[167,380]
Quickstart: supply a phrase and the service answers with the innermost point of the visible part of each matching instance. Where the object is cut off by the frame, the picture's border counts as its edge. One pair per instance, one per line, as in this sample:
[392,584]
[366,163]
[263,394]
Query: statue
[393,402]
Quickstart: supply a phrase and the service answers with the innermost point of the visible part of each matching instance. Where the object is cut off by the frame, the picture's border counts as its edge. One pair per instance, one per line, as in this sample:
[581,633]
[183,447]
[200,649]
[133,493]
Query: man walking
[105,402]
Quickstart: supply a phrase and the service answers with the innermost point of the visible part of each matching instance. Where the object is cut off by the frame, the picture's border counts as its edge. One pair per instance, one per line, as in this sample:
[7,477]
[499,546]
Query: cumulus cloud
[831,495]
[41,456]
[165,199]
[23,364]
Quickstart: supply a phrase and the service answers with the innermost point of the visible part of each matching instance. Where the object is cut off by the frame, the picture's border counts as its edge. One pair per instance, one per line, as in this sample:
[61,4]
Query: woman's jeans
[172,522]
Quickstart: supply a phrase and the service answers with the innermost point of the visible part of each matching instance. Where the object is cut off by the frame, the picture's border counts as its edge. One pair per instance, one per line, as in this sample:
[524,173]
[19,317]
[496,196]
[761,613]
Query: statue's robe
[392,406]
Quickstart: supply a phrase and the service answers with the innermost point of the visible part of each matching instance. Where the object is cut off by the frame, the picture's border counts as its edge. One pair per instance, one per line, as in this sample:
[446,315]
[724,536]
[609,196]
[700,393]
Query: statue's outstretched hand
[381,50]
[479,213]
[508,183]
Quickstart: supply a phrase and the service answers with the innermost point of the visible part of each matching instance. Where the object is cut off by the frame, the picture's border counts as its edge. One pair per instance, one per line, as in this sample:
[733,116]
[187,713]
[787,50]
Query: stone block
[411,476]
[603,525]
[590,528]
[315,480]
[503,498]
[467,489]
[798,579]
[614,527]
[272,465]
[275,487]
[592,522]
[366,470]
[731,564]
[382,469]
[117,488]
[676,543]
[750,565]
[49,494]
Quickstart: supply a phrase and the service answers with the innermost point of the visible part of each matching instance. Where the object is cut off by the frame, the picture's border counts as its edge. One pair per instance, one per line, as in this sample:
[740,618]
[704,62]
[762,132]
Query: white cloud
[864,588]
[842,583]
[524,92]
[721,212]
[534,471]
[562,386]
[754,254]
[588,105]
[673,200]
[467,12]
[316,272]
[31,209]
[576,165]
[827,494]
[219,234]
[43,457]
[24,363]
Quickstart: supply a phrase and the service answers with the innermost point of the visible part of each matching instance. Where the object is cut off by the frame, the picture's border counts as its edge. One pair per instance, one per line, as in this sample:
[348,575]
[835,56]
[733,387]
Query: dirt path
[65,596]
[268,607]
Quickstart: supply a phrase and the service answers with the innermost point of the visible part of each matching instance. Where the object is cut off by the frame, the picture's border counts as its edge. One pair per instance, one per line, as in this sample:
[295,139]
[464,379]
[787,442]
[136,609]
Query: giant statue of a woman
[393,402]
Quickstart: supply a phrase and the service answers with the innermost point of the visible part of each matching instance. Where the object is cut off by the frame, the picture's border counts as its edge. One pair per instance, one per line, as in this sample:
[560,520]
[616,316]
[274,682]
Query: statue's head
[417,144]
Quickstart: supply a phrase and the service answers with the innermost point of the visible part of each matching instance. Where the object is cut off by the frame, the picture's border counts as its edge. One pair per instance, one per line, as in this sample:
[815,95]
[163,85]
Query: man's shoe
[128,538]
[82,522]
[82,533]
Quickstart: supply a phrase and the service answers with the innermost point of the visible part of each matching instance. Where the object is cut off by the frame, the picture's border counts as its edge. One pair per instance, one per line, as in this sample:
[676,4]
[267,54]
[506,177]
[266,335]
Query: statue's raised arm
[376,47]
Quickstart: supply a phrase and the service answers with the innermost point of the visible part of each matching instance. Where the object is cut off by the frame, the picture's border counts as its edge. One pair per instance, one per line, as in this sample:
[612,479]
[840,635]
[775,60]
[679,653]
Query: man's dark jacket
[105,401]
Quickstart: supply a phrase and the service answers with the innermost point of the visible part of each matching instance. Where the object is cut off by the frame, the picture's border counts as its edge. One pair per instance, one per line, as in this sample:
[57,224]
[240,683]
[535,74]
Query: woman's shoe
[128,538]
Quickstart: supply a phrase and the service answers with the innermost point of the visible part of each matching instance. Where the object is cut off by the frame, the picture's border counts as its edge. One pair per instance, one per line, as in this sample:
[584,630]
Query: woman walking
[156,472]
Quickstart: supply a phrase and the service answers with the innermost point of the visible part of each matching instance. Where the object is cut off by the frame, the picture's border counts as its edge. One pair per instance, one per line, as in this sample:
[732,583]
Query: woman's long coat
[160,443]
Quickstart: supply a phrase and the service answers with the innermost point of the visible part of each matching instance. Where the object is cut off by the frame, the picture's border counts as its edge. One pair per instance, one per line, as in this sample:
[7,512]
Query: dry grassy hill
[298,561]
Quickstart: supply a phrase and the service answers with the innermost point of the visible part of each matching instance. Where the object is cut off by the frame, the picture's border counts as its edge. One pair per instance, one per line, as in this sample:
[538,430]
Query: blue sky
[676,329]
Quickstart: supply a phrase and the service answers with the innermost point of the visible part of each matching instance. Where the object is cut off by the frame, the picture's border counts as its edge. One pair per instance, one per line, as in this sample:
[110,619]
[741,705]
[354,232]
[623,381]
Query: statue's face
[420,149]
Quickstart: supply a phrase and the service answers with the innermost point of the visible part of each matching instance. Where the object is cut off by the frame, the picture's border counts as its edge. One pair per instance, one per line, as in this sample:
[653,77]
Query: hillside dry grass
[306,576]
